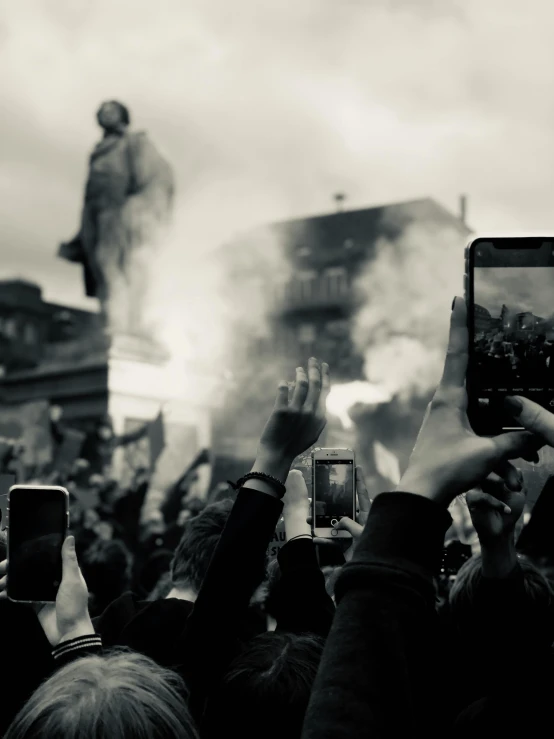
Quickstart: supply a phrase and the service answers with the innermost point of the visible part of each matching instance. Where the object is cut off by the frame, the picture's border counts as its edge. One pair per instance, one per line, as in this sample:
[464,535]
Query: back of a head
[106,567]
[537,608]
[269,686]
[198,542]
[120,696]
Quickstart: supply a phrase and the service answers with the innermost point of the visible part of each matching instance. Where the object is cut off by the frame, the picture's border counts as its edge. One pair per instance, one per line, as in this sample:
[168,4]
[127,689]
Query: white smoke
[408,287]
[209,307]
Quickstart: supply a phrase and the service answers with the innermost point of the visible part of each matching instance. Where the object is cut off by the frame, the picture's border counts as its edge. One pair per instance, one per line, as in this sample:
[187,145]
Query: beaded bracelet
[273,481]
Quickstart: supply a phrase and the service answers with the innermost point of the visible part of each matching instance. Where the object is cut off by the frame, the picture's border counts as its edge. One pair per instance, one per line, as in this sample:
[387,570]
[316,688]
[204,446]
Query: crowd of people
[191,632]
[508,359]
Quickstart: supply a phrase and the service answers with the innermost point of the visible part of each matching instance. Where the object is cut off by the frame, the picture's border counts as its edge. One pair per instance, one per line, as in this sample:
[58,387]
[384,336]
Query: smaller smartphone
[38,520]
[333,490]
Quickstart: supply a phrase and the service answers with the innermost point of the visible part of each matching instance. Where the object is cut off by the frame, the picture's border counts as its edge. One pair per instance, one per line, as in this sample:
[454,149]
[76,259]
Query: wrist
[273,464]
[498,556]
[425,486]
[77,629]
[296,524]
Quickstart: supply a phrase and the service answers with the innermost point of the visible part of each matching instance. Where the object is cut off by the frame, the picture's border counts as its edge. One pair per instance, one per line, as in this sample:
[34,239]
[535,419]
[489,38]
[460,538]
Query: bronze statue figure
[127,207]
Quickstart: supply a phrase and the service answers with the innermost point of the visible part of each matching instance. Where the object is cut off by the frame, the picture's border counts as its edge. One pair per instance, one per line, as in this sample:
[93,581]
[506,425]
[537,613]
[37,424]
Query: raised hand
[69,617]
[449,458]
[295,424]
[496,508]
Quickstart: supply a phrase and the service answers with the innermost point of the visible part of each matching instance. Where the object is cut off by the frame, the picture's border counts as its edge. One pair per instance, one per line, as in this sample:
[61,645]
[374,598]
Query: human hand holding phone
[69,617]
[449,458]
[356,527]
[296,506]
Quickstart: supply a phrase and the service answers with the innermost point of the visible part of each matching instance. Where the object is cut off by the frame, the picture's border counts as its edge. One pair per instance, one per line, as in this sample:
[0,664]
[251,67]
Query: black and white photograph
[238,239]
[514,342]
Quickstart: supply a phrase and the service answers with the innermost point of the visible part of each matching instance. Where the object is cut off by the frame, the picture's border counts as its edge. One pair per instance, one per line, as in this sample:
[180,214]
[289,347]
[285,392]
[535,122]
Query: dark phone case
[65,531]
[482,423]
[537,537]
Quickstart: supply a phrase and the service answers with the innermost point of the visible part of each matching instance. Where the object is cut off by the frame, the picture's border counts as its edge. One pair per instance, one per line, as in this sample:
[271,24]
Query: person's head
[113,116]
[539,593]
[106,567]
[121,695]
[269,685]
[198,542]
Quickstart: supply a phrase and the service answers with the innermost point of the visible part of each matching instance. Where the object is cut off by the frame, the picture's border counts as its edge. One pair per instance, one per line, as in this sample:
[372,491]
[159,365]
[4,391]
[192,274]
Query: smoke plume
[209,311]
[408,287]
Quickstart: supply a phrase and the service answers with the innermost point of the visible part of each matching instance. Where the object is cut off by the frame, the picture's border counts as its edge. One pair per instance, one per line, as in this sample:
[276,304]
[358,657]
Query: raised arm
[238,564]
[381,671]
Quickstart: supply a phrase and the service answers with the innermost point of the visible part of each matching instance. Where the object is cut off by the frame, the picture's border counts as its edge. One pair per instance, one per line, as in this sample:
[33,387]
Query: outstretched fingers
[300,391]
[314,385]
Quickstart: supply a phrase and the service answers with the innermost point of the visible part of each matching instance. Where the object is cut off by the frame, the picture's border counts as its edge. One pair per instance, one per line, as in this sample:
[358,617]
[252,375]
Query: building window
[305,284]
[336,281]
[29,334]
[10,328]
[306,333]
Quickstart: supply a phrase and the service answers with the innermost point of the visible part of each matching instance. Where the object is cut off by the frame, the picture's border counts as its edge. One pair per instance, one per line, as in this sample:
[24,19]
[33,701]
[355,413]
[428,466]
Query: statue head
[113,116]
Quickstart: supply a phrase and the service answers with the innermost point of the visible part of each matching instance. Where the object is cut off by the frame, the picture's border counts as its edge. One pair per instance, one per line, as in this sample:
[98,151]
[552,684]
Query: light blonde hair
[470,574]
[122,695]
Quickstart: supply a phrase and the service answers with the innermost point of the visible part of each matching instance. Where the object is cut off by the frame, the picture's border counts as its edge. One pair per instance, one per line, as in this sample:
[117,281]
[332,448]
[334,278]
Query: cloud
[268,108]
[520,288]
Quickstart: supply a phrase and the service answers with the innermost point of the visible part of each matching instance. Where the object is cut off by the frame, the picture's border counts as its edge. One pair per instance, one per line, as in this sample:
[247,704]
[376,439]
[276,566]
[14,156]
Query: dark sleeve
[236,570]
[380,669]
[500,603]
[300,602]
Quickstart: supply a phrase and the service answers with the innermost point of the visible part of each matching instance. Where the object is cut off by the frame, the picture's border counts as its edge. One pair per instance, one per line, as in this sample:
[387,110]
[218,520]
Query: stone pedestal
[141,382]
[131,380]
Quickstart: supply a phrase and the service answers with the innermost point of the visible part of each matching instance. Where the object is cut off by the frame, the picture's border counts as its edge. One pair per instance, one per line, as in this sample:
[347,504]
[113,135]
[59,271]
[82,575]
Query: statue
[127,207]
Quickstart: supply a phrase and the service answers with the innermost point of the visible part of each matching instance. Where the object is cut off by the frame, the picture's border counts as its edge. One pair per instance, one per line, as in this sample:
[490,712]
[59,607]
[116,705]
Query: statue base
[131,379]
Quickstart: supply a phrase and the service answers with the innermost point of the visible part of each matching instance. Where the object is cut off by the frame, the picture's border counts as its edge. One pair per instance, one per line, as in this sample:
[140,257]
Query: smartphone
[333,490]
[509,284]
[38,520]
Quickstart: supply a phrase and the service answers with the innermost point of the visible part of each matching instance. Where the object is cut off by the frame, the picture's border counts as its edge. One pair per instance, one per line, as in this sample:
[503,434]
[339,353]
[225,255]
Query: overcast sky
[520,288]
[267,108]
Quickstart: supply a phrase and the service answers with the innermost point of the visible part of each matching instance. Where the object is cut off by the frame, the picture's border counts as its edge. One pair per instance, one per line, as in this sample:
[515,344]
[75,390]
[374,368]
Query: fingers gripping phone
[509,286]
[38,519]
[333,490]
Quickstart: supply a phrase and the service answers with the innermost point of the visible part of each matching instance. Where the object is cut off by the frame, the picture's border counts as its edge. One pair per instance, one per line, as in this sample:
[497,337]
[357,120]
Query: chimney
[463,209]
[339,197]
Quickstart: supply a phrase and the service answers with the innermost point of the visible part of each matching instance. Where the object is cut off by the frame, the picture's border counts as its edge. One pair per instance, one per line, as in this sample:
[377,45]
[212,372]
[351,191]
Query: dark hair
[268,685]
[119,695]
[124,111]
[106,567]
[197,545]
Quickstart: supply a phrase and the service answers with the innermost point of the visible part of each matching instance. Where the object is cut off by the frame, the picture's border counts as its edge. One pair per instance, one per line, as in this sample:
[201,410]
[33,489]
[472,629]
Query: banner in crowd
[29,424]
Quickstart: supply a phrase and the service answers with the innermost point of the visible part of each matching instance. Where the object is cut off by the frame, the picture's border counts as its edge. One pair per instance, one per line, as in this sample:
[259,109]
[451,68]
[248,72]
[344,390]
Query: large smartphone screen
[333,491]
[36,533]
[511,327]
